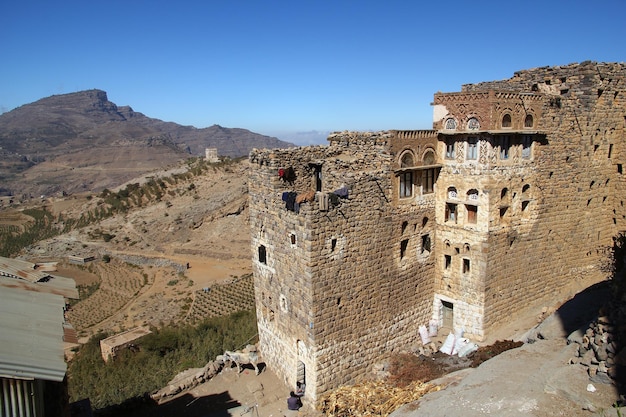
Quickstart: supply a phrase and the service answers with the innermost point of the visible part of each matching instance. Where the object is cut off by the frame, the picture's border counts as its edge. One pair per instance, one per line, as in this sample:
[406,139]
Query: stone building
[512,200]
[210,154]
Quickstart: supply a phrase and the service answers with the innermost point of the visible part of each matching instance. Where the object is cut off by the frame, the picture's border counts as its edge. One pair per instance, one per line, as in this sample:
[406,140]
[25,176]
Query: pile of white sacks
[455,343]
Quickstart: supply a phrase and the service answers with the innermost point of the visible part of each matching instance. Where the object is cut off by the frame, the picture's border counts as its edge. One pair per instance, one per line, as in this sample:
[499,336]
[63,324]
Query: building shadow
[602,305]
[581,310]
[214,405]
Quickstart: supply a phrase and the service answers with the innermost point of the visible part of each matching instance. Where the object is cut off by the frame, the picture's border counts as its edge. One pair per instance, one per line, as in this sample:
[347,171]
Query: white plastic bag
[433,326]
[448,345]
[467,349]
[424,335]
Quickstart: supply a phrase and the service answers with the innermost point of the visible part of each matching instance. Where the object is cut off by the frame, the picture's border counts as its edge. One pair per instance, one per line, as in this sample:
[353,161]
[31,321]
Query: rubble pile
[193,377]
[599,350]
[189,378]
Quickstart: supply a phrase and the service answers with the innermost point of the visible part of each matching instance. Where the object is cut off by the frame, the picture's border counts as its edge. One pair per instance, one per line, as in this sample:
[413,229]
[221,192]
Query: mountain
[84,142]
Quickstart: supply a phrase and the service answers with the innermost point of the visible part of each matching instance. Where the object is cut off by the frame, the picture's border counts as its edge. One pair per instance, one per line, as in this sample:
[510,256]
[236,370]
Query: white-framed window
[450,148]
[406,184]
[451,210]
[472,148]
[429,177]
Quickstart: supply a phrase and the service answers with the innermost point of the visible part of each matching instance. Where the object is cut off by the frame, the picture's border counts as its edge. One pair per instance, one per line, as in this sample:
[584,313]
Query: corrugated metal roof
[17,268]
[65,287]
[31,335]
[15,273]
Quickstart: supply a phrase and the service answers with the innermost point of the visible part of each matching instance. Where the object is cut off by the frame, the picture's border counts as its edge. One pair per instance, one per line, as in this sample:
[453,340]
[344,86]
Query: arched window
[506,121]
[428,176]
[406,177]
[407,160]
[450,124]
[504,193]
[473,124]
[429,157]
[472,194]
[452,192]
[528,121]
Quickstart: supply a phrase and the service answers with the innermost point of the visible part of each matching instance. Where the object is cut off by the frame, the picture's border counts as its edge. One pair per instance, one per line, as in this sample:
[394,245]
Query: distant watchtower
[211,155]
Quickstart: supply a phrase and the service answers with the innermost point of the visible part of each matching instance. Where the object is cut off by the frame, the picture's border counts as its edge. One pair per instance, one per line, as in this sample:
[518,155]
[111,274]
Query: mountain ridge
[43,142]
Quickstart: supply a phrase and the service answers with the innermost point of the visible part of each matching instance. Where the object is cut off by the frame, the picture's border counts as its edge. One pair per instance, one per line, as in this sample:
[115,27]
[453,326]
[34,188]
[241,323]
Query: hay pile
[371,399]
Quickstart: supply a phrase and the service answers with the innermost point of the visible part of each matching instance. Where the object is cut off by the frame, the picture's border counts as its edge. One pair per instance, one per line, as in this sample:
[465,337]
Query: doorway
[447,315]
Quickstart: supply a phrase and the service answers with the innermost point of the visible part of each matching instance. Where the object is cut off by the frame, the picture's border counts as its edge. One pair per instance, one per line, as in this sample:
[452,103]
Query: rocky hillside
[165,237]
[84,142]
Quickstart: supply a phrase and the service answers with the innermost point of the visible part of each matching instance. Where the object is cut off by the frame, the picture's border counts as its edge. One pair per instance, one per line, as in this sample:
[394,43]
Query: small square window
[472,213]
[450,212]
[466,266]
[524,205]
[262,254]
[425,244]
[403,245]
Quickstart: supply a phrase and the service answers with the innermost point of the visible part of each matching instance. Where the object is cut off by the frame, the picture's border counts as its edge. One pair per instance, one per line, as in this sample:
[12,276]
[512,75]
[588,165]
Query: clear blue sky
[282,67]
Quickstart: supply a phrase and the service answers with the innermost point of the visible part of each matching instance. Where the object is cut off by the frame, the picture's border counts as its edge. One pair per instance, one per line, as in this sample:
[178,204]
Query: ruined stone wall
[349,289]
[576,185]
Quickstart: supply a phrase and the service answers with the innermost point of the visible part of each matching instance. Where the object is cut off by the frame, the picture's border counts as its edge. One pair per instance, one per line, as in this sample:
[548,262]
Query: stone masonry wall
[576,186]
[349,289]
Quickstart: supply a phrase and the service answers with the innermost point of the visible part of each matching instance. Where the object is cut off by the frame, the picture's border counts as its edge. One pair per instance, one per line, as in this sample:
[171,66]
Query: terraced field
[223,299]
[119,284]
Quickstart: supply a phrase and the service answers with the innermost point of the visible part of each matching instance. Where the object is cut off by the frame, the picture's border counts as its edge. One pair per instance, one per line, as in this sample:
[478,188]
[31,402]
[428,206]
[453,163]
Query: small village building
[32,335]
[111,345]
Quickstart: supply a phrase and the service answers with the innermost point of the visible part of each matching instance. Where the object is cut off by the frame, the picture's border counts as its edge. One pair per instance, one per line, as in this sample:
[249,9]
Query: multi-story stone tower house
[512,200]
